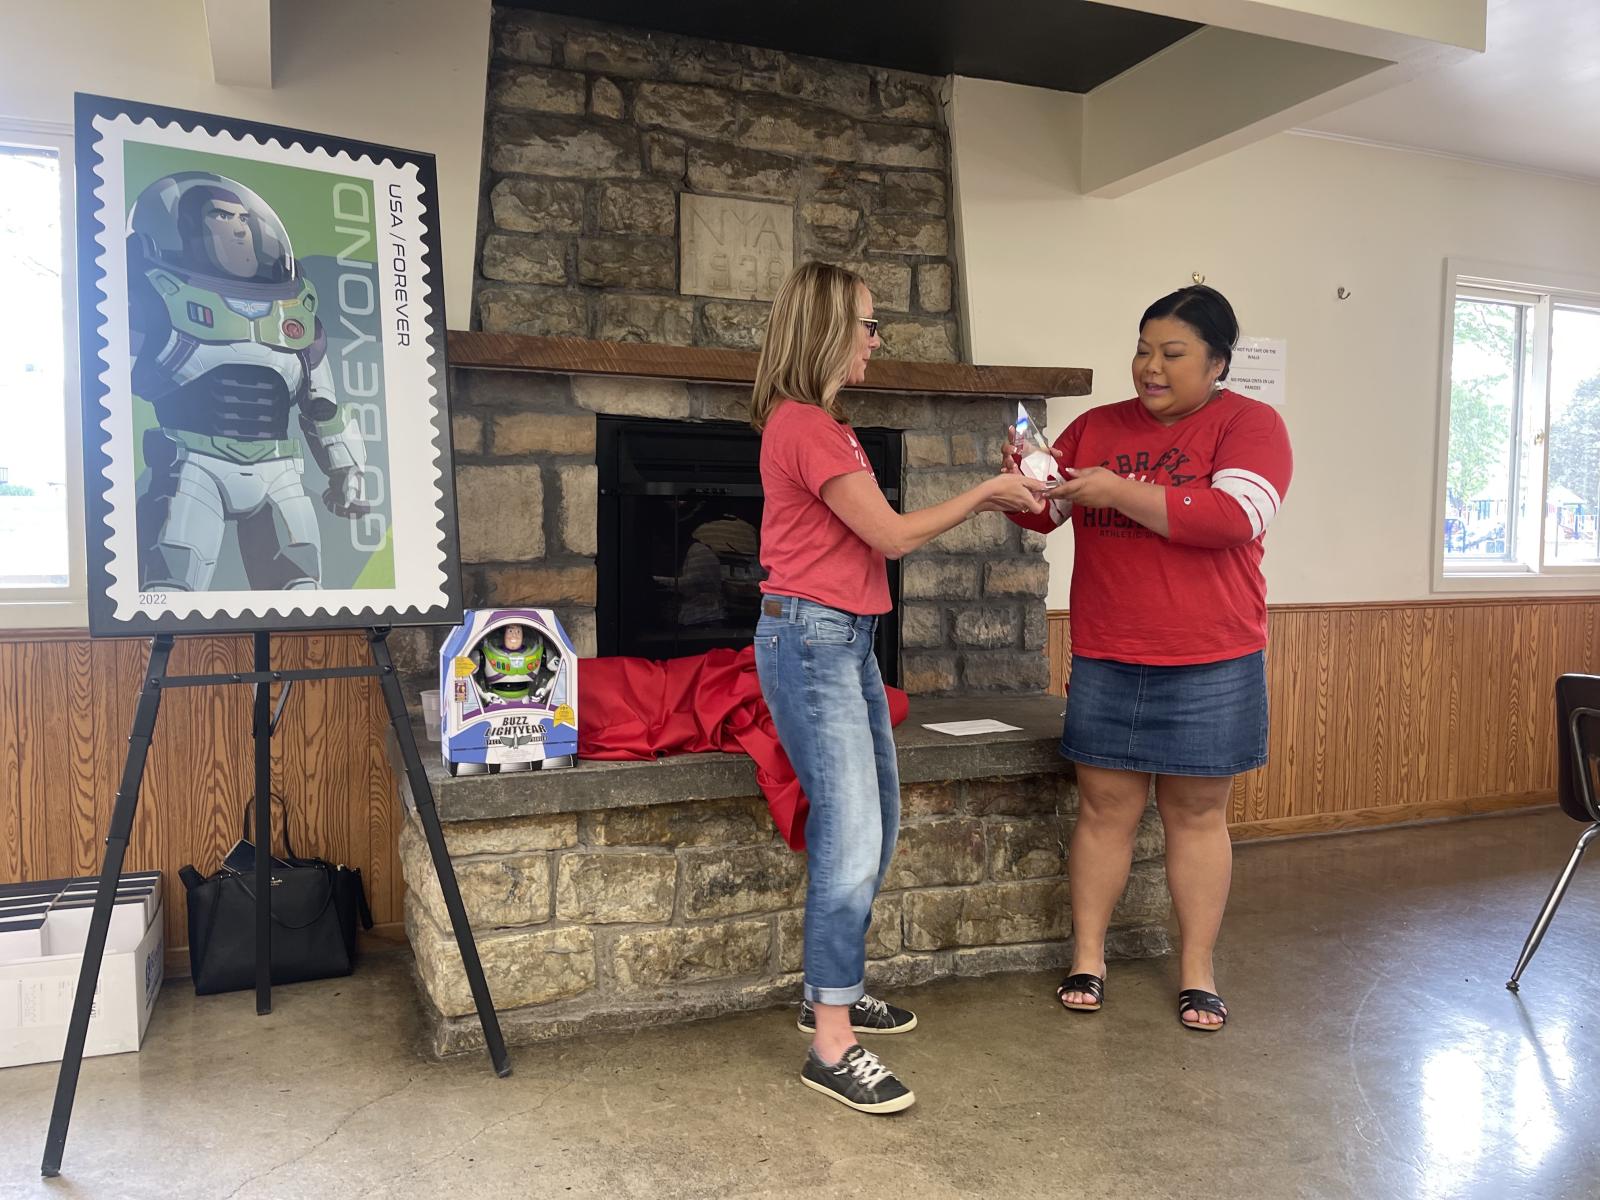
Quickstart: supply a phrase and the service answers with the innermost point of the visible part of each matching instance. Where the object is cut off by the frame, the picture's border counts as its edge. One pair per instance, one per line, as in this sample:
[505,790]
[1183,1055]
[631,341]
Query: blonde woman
[826,530]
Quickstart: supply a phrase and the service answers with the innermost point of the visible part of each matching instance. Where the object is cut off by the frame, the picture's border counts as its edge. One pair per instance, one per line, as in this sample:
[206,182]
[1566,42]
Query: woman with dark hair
[826,530]
[1169,495]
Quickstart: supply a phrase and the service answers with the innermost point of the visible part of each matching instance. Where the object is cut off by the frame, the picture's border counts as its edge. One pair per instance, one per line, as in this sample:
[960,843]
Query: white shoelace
[867,1070]
[876,1007]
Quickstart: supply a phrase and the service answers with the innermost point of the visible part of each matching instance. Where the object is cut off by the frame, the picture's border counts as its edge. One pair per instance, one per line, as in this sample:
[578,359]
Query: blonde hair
[811,338]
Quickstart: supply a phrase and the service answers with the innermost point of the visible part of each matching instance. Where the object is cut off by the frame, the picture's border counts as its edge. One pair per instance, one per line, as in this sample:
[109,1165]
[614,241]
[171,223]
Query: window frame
[1542,291]
[51,608]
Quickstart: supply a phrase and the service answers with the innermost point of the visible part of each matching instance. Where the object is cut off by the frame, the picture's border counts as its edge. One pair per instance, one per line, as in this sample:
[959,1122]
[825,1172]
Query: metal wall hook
[1197,276]
[1344,293]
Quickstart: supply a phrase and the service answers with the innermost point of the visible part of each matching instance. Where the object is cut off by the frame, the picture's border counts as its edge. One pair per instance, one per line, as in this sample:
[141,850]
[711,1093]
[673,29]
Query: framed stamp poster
[266,429]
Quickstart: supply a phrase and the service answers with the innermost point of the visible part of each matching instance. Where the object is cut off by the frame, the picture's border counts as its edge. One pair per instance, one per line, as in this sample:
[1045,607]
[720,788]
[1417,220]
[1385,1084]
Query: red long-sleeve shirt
[1198,594]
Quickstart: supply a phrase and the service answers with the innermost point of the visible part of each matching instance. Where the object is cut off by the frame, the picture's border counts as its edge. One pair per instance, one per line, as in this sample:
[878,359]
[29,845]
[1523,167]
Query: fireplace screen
[679,565]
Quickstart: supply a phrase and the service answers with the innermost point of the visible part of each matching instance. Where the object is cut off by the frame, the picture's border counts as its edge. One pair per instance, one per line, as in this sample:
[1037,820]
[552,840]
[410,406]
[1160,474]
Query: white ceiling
[1531,100]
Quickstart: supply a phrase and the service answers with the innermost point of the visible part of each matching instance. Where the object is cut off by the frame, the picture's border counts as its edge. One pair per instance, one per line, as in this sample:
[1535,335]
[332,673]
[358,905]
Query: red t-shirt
[807,551]
[1197,595]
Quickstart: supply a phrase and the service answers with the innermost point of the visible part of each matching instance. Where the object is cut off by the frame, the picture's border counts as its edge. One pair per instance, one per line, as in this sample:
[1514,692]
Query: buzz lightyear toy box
[508,693]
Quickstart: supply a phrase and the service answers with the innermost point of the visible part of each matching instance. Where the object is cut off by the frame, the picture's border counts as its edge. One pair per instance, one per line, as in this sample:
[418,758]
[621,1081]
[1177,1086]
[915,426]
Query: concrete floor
[1373,1052]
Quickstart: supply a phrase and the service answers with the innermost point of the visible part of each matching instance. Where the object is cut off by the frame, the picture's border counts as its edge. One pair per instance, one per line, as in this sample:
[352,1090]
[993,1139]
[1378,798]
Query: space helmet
[205,224]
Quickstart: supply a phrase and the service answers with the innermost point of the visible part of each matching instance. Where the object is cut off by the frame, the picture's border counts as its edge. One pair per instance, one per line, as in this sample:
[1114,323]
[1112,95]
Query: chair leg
[1552,902]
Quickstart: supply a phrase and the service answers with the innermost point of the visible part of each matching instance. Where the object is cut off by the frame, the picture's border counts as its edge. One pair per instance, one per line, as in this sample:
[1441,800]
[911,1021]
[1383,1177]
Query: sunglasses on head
[872,325]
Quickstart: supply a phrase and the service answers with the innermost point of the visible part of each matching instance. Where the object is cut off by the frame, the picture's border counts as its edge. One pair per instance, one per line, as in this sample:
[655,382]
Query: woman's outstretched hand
[1092,487]
[1012,491]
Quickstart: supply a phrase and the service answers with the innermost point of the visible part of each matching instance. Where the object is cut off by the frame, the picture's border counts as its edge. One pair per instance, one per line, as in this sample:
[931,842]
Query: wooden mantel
[696,364]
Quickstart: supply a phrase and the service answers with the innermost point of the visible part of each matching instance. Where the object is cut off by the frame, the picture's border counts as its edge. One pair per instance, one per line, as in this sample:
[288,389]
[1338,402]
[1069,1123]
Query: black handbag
[315,905]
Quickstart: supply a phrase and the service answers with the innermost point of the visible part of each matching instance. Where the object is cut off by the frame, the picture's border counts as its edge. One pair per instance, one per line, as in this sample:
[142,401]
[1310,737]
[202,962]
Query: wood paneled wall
[66,707]
[1394,712]
[1380,713]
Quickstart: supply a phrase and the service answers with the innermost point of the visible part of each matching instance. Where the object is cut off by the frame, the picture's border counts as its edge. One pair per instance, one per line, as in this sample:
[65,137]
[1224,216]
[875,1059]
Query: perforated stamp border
[427,588]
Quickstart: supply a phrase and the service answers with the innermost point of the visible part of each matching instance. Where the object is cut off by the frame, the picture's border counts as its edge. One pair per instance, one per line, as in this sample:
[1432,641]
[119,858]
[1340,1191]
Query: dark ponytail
[1207,312]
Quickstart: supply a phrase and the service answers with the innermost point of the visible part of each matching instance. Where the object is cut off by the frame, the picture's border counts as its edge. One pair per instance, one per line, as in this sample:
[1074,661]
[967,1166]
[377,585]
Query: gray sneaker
[866,1016]
[858,1080]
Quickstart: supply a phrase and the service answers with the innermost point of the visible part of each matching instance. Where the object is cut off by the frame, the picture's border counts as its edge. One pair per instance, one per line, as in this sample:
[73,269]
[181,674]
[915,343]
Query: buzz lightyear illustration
[513,667]
[226,341]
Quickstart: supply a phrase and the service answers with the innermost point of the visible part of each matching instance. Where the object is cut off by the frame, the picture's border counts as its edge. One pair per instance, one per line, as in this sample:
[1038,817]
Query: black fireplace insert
[679,563]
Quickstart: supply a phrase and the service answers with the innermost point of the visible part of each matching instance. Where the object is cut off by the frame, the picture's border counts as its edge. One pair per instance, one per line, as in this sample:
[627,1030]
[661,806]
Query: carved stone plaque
[736,249]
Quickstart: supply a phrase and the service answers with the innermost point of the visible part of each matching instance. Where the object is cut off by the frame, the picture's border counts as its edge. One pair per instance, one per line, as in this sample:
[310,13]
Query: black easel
[144,724]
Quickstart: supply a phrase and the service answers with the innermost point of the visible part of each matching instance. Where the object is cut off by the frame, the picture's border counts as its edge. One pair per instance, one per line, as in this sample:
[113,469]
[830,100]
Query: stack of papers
[968,728]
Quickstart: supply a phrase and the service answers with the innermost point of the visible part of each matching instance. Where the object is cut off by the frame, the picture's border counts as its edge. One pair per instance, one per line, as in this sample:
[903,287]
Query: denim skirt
[1198,719]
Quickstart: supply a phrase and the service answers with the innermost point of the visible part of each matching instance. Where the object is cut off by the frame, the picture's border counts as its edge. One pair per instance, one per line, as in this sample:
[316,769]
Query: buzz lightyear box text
[262,334]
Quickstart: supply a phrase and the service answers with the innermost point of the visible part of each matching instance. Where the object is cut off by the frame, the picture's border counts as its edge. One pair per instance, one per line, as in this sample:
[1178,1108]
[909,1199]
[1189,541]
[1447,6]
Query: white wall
[1053,278]
[406,73]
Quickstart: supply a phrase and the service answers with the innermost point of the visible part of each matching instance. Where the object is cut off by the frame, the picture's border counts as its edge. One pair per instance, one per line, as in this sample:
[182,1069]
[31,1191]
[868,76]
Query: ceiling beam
[1256,69]
[1379,28]
[1213,92]
[240,36]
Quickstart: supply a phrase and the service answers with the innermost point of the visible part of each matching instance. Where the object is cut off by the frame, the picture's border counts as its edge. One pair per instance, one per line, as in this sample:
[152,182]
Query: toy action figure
[225,340]
[512,671]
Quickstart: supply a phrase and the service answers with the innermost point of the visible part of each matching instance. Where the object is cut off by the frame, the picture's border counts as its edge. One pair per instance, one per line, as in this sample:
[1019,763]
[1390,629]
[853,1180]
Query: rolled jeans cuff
[845,996]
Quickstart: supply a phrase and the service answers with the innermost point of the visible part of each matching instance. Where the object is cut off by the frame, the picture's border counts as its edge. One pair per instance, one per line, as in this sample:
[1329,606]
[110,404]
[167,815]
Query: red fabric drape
[634,708]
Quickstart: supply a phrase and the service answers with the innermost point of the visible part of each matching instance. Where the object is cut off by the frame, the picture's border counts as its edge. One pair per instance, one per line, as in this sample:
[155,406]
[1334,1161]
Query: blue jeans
[823,687]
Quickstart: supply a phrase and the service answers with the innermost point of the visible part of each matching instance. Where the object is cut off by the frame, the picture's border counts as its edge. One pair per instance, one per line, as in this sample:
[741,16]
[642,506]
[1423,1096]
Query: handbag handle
[278,921]
[249,806]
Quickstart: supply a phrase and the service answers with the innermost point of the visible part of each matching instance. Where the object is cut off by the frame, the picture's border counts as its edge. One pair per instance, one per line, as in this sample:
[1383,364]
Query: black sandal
[1092,985]
[1198,1000]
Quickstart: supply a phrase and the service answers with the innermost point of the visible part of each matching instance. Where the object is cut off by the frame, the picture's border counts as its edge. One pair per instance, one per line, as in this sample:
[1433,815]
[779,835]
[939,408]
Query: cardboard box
[505,706]
[37,990]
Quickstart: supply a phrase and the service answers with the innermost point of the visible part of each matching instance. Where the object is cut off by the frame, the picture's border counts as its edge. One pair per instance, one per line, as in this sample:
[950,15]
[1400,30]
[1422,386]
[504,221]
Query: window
[41,523]
[1519,479]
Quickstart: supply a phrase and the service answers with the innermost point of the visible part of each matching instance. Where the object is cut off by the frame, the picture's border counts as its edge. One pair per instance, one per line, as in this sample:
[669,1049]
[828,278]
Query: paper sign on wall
[1259,369]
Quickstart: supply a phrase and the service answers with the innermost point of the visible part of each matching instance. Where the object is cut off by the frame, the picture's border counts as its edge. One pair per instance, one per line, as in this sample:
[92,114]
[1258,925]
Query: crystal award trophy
[1035,459]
